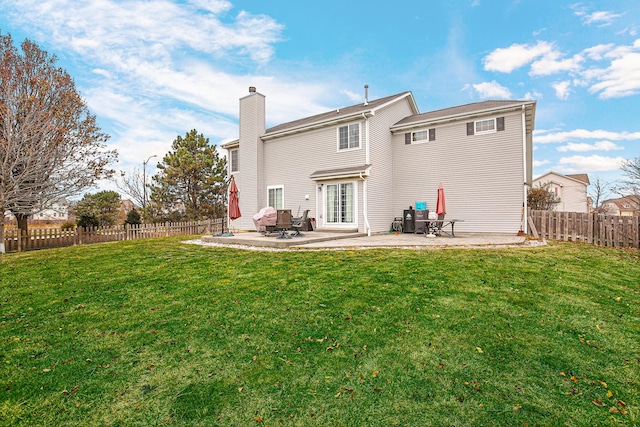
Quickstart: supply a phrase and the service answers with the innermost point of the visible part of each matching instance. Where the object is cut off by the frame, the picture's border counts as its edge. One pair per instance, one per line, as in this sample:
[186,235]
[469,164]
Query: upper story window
[480,127]
[420,136]
[349,137]
[485,126]
[234,160]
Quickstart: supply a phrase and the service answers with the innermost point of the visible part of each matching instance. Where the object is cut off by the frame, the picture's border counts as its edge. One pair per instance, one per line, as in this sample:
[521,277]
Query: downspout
[364,203]
[525,206]
[365,186]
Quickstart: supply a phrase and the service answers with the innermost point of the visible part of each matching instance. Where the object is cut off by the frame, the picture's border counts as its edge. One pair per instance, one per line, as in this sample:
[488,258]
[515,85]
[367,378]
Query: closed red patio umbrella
[234,202]
[440,207]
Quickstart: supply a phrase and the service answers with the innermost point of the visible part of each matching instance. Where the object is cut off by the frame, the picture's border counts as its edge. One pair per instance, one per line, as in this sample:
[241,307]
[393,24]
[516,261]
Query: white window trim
[355,206]
[415,141]
[342,150]
[231,169]
[275,187]
[483,132]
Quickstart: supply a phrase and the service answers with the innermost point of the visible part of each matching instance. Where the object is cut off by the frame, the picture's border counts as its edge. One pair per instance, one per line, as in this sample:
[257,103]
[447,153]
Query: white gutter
[525,206]
[456,117]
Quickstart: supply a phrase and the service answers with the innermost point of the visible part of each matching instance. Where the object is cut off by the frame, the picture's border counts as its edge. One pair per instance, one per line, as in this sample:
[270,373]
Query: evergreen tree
[191,179]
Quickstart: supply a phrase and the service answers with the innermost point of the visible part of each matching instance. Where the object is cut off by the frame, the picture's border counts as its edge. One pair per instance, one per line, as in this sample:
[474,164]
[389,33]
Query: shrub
[69,225]
[133,217]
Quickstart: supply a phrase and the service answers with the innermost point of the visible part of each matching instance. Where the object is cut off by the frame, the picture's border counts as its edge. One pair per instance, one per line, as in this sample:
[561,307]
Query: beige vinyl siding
[292,159]
[380,194]
[573,194]
[482,175]
[249,176]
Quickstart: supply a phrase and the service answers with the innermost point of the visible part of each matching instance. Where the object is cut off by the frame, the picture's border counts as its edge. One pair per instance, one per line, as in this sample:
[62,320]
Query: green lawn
[157,332]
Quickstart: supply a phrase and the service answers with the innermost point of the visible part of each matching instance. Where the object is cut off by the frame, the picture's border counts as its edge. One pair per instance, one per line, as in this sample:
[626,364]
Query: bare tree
[630,185]
[50,144]
[132,184]
[600,192]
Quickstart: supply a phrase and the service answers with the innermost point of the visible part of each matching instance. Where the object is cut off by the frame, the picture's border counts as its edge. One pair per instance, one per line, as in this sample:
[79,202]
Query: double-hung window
[276,196]
[234,160]
[349,137]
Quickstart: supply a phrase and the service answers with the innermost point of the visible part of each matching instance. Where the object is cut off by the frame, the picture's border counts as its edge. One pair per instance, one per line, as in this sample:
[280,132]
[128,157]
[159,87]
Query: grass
[157,332]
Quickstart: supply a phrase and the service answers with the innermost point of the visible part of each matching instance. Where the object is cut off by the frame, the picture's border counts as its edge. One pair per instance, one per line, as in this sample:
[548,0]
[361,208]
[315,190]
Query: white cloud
[562,89]
[533,94]
[586,134]
[582,147]
[492,90]
[588,164]
[552,64]
[538,163]
[621,78]
[352,95]
[505,60]
[602,17]
[598,52]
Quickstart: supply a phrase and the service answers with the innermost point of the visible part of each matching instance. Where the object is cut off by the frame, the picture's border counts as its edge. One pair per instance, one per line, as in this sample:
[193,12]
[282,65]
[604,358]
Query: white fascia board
[458,117]
[317,125]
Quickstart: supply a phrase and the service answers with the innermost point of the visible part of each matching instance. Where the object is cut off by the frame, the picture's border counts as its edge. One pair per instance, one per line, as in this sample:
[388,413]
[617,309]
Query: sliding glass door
[340,204]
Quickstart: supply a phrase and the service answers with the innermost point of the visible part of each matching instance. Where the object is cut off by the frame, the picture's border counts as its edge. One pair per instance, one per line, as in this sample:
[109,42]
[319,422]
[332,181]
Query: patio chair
[298,223]
[283,223]
[439,225]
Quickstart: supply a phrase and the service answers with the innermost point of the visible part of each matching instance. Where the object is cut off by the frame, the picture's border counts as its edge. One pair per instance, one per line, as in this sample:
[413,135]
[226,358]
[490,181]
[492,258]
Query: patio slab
[337,240]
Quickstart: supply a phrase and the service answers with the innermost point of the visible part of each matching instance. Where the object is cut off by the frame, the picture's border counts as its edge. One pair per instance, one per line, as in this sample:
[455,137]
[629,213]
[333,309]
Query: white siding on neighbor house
[482,175]
[291,160]
[573,194]
[380,194]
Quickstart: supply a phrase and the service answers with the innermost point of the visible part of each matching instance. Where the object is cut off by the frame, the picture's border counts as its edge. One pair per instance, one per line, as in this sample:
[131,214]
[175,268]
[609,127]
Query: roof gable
[339,114]
[581,178]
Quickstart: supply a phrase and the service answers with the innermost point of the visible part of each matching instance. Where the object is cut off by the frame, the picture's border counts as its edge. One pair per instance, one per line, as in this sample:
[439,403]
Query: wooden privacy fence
[56,238]
[595,229]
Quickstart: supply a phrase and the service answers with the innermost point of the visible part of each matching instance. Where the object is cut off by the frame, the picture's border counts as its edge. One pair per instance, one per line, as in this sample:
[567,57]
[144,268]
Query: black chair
[298,223]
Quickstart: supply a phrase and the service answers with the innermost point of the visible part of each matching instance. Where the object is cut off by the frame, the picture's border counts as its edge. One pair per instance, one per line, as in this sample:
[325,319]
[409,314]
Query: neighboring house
[126,205]
[623,206]
[356,168]
[570,189]
[56,211]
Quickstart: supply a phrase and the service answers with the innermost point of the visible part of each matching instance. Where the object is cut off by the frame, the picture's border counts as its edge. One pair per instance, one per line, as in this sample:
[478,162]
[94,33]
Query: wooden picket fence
[56,238]
[591,228]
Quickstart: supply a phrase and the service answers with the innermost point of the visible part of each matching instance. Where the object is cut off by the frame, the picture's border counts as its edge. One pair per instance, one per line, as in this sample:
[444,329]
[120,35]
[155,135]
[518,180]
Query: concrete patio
[338,240]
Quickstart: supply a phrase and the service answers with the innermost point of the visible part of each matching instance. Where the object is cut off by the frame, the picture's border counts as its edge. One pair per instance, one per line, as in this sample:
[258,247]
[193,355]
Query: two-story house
[571,190]
[622,206]
[358,167]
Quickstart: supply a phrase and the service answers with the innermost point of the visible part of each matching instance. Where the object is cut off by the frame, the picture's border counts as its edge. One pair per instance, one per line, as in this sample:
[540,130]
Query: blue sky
[154,69]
